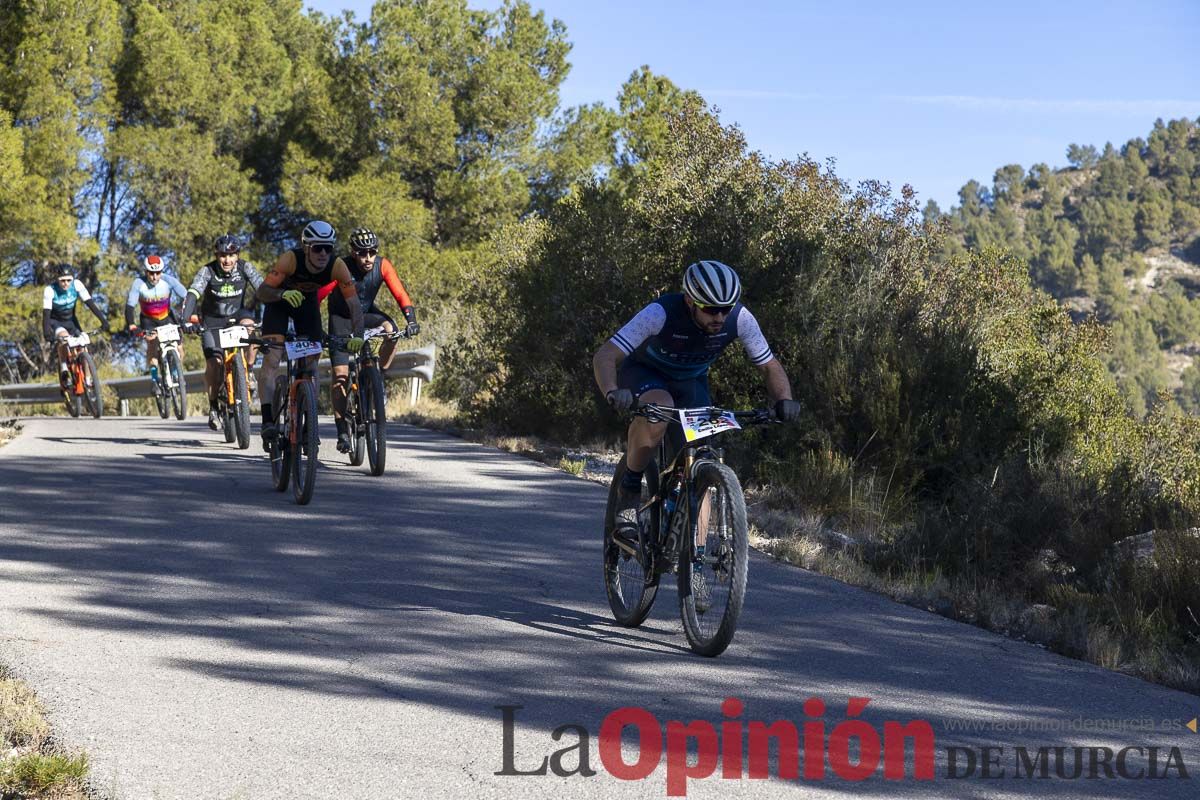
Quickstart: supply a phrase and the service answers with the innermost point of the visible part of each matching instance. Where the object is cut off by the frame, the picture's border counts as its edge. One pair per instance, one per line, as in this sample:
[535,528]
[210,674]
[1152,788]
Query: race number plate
[371,333]
[698,423]
[167,333]
[233,336]
[302,348]
[81,340]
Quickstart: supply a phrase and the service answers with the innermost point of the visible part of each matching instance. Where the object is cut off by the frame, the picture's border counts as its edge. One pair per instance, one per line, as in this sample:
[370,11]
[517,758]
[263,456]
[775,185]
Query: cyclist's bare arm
[778,386]
[269,291]
[604,366]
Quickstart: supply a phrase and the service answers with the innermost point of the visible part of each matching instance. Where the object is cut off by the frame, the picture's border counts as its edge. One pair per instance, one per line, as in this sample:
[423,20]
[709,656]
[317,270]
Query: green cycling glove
[293,297]
[354,344]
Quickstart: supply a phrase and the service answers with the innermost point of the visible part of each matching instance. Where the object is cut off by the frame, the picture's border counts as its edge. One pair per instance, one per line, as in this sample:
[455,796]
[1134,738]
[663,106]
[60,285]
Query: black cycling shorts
[341,326]
[306,318]
[212,346]
[71,326]
[148,324]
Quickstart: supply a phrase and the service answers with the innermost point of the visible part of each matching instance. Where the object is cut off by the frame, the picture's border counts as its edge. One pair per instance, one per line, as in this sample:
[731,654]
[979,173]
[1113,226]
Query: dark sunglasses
[713,311]
[321,248]
[370,253]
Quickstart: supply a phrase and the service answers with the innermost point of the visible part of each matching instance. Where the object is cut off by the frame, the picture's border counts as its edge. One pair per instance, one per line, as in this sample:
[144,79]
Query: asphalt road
[201,636]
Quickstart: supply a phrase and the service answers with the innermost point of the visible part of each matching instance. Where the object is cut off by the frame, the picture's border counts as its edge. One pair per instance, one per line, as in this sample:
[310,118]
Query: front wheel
[280,451]
[630,580]
[304,451]
[241,404]
[91,385]
[713,560]
[374,409]
[73,401]
[354,422]
[179,390]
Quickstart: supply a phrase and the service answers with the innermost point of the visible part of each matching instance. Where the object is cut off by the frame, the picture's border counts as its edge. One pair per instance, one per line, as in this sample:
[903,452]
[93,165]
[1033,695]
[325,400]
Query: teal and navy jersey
[155,300]
[663,336]
[61,302]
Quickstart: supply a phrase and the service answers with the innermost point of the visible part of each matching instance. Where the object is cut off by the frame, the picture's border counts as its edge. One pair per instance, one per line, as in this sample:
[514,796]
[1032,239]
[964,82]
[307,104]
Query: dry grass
[31,764]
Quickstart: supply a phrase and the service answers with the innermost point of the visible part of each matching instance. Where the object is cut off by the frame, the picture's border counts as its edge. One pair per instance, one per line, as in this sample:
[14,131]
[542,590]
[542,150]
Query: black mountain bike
[293,449]
[366,401]
[692,521]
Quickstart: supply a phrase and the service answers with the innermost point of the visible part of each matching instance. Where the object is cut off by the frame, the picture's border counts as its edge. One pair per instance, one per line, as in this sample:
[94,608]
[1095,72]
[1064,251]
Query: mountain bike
[366,400]
[81,389]
[233,397]
[293,448]
[170,386]
[691,521]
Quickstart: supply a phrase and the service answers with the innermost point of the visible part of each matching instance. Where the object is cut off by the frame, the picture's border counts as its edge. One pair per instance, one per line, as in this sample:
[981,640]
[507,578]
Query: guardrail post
[414,389]
[124,407]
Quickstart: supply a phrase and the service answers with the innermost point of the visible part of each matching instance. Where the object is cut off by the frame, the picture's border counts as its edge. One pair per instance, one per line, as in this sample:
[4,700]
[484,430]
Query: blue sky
[926,93]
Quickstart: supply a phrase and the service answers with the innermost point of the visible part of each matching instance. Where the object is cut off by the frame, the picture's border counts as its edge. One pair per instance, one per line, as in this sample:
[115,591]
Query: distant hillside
[1115,234]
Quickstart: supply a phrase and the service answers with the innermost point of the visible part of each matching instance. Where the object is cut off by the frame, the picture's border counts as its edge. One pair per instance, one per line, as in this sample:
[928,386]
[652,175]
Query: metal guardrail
[416,364]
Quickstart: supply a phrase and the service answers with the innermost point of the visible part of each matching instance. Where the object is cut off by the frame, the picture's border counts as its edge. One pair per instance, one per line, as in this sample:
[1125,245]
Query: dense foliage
[1115,233]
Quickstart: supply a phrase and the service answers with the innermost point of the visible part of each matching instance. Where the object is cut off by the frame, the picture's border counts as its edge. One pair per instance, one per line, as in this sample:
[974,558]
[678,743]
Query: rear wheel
[91,385]
[280,450]
[73,402]
[241,407]
[179,390]
[374,409]
[161,400]
[304,453]
[630,581]
[712,580]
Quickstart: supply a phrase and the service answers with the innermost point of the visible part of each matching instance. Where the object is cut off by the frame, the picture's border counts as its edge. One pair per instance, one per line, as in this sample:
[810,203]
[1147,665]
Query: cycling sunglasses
[321,248]
[372,252]
[713,311]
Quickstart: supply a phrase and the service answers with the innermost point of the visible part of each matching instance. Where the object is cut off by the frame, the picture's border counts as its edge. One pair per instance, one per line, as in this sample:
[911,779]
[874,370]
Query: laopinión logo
[851,750]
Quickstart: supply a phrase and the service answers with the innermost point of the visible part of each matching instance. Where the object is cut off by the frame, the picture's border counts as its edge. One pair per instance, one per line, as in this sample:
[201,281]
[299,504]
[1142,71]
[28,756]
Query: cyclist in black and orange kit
[371,272]
[290,292]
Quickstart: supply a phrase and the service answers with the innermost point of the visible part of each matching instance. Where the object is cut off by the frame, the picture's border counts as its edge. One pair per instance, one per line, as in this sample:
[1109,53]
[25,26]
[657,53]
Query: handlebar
[660,413]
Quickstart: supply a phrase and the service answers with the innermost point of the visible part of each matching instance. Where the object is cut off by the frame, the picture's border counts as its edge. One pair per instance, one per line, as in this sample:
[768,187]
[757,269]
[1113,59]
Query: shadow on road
[467,578]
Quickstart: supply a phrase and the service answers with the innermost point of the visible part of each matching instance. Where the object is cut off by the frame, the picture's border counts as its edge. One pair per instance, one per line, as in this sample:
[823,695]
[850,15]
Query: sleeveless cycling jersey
[61,302]
[664,336]
[306,281]
[155,301]
[367,283]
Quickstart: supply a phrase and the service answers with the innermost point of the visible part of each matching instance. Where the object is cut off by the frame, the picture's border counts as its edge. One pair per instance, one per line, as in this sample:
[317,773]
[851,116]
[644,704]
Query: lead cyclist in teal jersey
[663,354]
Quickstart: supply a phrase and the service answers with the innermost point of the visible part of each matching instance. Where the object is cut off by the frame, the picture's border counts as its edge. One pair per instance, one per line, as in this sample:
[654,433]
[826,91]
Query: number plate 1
[233,336]
[698,423]
[302,348]
[167,333]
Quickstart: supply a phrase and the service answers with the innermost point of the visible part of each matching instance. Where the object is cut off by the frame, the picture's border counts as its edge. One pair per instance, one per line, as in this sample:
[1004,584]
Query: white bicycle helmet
[711,283]
[318,232]
[153,263]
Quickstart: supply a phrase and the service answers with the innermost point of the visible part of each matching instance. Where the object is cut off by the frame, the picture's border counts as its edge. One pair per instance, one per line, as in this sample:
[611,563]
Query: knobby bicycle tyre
[354,422]
[73,402]
[241,402]
[179,390]
[374,409]
[304,454]
[92,397]
[712,593]
[228,426]
[630,583]
[161,400]
[280,451]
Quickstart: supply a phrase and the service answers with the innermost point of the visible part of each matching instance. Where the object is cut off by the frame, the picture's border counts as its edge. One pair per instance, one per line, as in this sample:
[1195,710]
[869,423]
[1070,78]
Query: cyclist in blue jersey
[152,295]
[663,354]
[58,312]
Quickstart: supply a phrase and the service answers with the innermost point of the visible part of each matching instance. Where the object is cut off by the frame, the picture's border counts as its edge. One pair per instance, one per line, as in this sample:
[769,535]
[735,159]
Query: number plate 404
[302,348]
